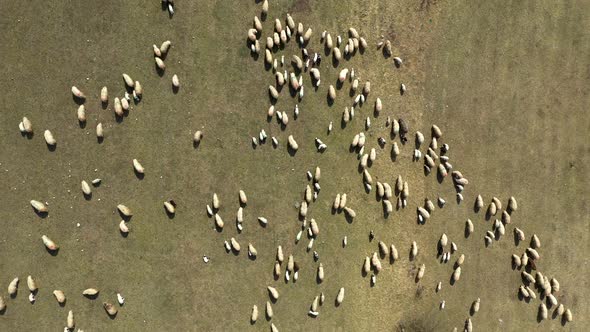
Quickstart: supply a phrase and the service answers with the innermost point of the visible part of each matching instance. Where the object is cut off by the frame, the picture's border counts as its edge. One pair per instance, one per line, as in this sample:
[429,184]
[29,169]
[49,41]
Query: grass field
[506,81]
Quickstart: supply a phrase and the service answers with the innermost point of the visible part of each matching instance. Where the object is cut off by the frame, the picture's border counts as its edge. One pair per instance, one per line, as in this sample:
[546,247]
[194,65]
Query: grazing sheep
[332,93]
[235,245]
[39,207]
[320,273]
[70,323]
[492,209]
[519,234]
[170,208]
[542,311]
[421,272]
[49,244]
[32,284]
[81,114]
[104,94]
[555,285]
[110,309]
[567,315]
[367,265]
[340,296]
[254,314]
[337,54]
[99,131]
[460,260]
[456,274]
[505,218]
[383,250]
[413,250]
[49,139]
[218,221]
[292,143]
[118,107]
[343,75]
[497,202]
[124,210]
[535,242]
[512,205]
[436,132]
[90,292]
[138,167]
[280,256]
[393,254]
[27,125]
[123,227]
[128,80]
[273,292]
[315,229]
[59,296]
[13,287]
[78,93]
[532,253]
[516,261]
[349,212]
[303,209]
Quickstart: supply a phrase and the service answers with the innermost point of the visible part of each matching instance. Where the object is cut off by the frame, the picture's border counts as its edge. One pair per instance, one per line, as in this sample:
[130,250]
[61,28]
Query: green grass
[506,82]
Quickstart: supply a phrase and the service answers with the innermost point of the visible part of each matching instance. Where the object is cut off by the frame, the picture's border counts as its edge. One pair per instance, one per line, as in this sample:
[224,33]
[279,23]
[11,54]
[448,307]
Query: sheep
[254,314]
[78,93]
[535,242]
[59,296]
[90,292]
[123,227]
[320,273]
[303,209]
[542,311]
[273,292]
[567,315]
[27,125]
[397,61]
[118,107]
[110,309]
[336,53]
[32,284]
[49,244]
[555,285]
[413,250]
[104,94]
[497,202]
[336,204]
[218,221]
[128,80]
[492,209]
[421,272]
[49,139]
[343,75]
[343,200]
[329,43]
[512,205]
[349,212]
[280,257]
[367,88]
[70,323]
[124,210]
[367,265]
[331,92]
[292,143]
[235,245]
[340,296]
[99,131]
[519,234]
[81,114]
[532,253]
[456,274]
[13,287]
[264,12]
[307,35]
[39,206]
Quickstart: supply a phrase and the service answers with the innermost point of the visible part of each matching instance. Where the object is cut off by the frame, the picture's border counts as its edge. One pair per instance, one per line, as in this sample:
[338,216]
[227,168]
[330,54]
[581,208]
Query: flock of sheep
[435,158]
[392,196]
